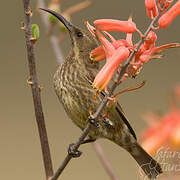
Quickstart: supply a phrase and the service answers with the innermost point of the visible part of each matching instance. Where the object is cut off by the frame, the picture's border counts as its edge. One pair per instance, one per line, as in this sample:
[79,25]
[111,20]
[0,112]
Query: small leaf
[35,31]
[52,19]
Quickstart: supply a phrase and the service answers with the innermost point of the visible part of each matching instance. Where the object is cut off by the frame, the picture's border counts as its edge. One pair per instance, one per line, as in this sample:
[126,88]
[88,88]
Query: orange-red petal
[98,54]
[168,17]
[90,28]
[115,25]
[108,47]
[151,8]
[105,74]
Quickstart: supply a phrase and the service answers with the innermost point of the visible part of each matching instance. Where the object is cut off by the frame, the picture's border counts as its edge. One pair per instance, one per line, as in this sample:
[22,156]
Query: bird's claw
[93,122]
[72,152]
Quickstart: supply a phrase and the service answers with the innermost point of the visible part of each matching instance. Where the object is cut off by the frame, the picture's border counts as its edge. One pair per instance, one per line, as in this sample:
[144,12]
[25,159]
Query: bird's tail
[150,166]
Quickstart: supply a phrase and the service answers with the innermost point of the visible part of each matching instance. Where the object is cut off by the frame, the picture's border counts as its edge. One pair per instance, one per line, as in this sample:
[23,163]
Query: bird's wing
[123,117]
[120,112]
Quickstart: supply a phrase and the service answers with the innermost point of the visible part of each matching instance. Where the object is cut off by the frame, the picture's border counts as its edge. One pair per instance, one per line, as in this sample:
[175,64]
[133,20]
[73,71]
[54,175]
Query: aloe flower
[105,74]
[151,8]
[148,51]
[175,138]
[163,131]
[114,57]
[98,54]
[164,3]
[150,40]
[169,16]
[116,51]
[115,25]
[166,131]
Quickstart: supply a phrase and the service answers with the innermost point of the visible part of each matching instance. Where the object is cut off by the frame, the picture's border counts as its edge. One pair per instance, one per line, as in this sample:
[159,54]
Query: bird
[73,86]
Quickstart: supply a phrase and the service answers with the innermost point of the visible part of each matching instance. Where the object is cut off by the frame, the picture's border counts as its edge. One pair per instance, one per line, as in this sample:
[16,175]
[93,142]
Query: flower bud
[150,40]
[164,3]
[168,17]
[98,54]
[151,8]
[150,4]
[115,25]
[105,74]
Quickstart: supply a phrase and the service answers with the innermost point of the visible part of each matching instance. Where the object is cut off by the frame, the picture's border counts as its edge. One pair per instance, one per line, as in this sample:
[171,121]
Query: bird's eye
[79,34]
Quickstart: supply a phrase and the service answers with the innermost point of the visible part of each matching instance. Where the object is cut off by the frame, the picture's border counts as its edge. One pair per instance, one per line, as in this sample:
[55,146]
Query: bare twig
[53,38]
[77,7]
[105,100]
[69,157]
[105,161]
[36,92]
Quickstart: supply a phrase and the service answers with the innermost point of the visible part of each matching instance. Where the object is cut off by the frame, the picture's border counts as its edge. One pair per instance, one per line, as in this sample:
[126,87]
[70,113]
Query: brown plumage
[73,86]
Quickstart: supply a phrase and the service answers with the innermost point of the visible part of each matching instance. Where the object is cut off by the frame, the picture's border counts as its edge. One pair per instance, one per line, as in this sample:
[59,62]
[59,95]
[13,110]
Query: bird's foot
[73,152]
[93,121]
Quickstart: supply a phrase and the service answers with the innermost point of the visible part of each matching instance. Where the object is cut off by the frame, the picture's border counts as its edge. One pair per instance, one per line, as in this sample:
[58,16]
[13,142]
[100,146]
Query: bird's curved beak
[61,18]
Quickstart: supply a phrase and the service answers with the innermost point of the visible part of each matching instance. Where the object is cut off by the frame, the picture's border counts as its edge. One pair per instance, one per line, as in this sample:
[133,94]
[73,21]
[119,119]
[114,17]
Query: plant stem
[36,92]
[105,162]
[53,38]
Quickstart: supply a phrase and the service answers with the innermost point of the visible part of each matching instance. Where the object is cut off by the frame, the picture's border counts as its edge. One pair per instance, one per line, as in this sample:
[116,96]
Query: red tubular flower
[151,8]
[146,52]
[155,141]
[109,36]
[129,39]
[115,25]
[150,40]
[98,54]
[164,132]
[129,35]
[168,17]
[107,46]
[175,138]
[144,55]
[149,43]
[90,28]
[164,3]
[150,4]
[105,74]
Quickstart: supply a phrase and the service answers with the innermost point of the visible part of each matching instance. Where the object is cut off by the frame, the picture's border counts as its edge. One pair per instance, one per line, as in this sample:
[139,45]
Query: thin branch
[69,157]
[105,162]
[36,92]
[104,101]
[77,7]
[53,38]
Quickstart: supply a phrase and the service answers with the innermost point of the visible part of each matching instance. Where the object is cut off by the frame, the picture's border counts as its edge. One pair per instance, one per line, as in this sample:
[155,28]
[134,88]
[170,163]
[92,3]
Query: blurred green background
[20,153]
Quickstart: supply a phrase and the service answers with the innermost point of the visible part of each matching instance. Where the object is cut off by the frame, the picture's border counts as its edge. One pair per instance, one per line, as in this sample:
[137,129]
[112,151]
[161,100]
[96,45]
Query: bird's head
[83,42]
